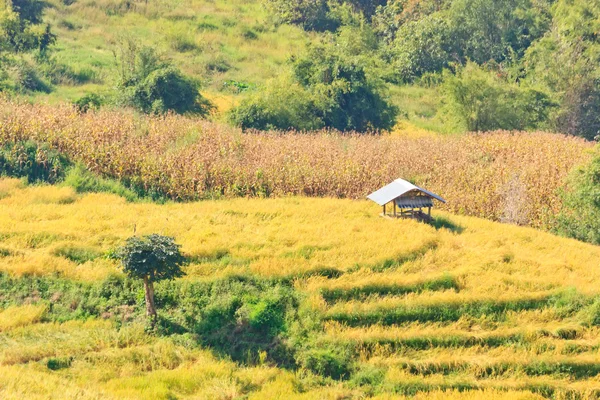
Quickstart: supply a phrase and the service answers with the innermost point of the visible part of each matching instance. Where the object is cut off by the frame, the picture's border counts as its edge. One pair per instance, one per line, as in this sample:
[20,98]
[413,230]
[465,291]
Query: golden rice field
[471,309]
[503,176]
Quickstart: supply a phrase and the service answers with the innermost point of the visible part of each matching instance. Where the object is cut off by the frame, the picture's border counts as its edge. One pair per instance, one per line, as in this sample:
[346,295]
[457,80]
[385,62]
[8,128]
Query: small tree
[152,258]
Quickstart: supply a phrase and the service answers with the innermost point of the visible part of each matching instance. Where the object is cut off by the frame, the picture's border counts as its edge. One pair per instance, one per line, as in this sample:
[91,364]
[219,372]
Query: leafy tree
[565,60]
[422,46]
[152,258]
[580,217]
[496,30]
[481,100]
[347,96]
[28,10]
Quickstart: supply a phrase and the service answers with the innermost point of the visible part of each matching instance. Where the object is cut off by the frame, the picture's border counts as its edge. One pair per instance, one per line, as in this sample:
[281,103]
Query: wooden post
[395,215]
[429,212]
[384,210]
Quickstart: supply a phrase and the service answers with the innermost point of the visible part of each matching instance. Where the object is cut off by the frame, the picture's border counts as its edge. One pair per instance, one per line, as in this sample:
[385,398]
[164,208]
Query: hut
[408,200]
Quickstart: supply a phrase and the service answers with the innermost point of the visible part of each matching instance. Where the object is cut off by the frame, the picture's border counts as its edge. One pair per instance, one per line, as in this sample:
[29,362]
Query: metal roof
[396,189]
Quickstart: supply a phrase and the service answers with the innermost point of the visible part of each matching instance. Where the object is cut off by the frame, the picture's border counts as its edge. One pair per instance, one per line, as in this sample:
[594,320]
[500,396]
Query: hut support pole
[384,210]
[429,211]
[395,215]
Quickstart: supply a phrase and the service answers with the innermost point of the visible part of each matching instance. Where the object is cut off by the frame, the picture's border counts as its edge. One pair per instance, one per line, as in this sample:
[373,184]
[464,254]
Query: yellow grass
[273,237]
[13,317]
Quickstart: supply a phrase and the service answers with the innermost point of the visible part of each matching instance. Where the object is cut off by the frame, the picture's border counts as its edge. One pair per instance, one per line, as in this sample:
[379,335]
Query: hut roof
[399,188]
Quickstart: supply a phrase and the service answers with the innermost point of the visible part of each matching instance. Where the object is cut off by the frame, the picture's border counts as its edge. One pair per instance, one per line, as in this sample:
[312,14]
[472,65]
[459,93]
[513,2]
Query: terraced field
[463,308]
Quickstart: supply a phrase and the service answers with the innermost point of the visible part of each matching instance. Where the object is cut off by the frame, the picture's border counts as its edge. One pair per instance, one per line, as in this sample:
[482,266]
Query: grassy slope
[201,37]
[388,302]
[195,34]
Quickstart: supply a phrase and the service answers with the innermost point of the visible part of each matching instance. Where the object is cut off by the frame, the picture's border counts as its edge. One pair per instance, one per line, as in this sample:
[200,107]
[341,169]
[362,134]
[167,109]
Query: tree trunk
[150,308]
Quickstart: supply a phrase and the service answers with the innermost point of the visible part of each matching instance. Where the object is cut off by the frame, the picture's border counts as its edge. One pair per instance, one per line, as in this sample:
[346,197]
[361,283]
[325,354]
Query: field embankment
[501,176]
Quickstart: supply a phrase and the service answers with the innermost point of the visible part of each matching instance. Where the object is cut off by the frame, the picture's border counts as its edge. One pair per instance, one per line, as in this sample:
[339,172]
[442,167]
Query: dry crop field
[463,309]
[502,176]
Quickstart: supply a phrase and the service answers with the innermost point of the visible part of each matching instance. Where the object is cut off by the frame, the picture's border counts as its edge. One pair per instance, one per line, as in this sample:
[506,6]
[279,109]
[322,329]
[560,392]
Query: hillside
[216,41]
[380,306]
[447,66]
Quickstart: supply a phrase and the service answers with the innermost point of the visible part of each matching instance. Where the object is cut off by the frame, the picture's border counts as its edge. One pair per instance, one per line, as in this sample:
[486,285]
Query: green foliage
[29,10]
[424,45]
[566,61]
[79,255]
[310,14]
[152,257]
[580,217]
[329,88]
[237,316]
[151,84]
[431,36]
[91,101]
[480,100]
[281,105]
[37,163]
[334,361]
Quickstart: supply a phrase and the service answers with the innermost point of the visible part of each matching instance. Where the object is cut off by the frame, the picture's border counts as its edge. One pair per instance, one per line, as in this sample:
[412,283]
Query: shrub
[313,15]
[241,317]
[37,163]
[281,105]
[422,46]
[332,361]
[150,84]
[91,101]
[580,216]
[347,95]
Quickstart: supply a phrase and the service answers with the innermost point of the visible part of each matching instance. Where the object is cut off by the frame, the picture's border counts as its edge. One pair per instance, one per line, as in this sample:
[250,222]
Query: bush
[333,361]
[150,84]
[422,46]
[239,316]
[479,100]
[282,105]
[89,102]
[312,15]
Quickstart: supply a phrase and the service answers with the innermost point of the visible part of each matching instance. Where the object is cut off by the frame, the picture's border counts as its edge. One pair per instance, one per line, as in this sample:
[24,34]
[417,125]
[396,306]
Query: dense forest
[482,64]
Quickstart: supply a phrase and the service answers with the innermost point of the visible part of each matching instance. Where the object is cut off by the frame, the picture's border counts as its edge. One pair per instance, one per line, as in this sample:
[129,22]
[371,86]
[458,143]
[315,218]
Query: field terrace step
[401,382]
[351,287]
[487,366]
[438,307]
[378,339]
